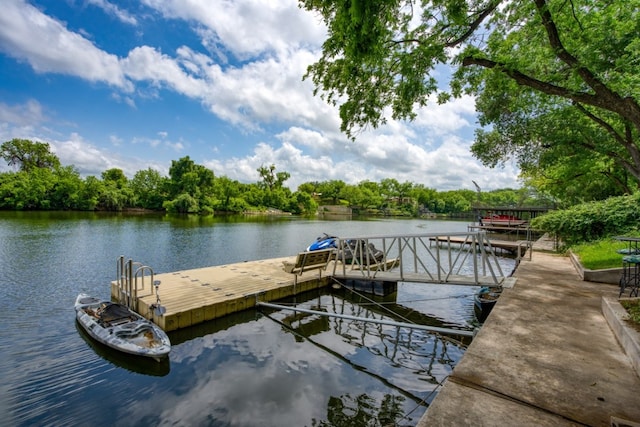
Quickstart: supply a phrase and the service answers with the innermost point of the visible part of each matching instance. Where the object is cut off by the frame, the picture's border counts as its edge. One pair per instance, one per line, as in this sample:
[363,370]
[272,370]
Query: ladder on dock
[131,282]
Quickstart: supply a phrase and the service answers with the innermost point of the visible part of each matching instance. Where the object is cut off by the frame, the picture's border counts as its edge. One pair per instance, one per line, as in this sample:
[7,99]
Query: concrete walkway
[546,356]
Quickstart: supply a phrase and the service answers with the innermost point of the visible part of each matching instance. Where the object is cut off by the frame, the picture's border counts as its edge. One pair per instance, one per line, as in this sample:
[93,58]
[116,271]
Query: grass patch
[633,308]
[600,254]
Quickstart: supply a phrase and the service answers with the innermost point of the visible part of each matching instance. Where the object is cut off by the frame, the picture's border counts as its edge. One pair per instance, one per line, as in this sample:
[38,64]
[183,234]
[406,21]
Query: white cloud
[113,10]
[147,64]
[88,159]
[115,140]
[444,119]
[29,113]
[311,139]
[248,28]
[29,35]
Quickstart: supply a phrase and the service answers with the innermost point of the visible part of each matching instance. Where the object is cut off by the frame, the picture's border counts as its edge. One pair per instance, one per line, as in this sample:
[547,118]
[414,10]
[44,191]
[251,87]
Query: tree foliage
[271,179]
[553,78]
[28,155]
[192,188]
[592,221]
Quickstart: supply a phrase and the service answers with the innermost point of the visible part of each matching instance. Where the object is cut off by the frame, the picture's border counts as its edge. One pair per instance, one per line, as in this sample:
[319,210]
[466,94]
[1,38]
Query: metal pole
[379,321]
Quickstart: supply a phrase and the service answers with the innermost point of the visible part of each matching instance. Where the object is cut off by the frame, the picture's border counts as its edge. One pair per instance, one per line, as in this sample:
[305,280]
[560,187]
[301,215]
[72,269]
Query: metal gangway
[428,258]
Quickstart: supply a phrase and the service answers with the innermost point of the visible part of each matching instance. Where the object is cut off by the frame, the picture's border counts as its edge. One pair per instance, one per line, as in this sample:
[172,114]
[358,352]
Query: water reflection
[242,370]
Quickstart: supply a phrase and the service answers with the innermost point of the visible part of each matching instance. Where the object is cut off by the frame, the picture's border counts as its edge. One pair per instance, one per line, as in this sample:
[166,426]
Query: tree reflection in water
[362,410]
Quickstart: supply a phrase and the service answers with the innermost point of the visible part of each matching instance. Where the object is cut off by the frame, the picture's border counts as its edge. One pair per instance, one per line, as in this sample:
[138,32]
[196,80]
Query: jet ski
[323,242]
[353,251]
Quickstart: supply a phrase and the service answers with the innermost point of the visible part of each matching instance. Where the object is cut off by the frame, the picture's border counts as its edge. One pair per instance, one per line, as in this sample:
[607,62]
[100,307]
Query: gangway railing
[414,257]
[130,279]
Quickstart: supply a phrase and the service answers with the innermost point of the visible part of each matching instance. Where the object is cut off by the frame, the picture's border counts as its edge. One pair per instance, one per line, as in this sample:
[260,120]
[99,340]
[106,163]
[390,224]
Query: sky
[137,84]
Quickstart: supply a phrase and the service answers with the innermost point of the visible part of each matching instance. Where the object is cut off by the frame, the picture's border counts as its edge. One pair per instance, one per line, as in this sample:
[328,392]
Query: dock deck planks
[194,296]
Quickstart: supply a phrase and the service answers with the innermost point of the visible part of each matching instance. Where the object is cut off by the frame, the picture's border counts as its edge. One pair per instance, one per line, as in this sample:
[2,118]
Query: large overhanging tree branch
[383,53]
[602,98]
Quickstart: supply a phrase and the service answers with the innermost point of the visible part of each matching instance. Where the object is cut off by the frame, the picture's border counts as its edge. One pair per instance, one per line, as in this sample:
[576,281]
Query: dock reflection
[380,351]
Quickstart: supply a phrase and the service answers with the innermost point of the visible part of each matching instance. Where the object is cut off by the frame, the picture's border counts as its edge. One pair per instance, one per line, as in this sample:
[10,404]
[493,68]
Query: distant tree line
[40,182]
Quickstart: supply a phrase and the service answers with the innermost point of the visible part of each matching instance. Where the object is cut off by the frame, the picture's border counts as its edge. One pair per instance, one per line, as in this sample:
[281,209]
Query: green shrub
[592,221]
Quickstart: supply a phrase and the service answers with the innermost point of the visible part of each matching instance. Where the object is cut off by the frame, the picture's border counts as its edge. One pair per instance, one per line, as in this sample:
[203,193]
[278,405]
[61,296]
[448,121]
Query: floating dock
[194,296]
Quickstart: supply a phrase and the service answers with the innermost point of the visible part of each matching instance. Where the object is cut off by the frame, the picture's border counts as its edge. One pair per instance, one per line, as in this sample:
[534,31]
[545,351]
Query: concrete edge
[606,275]
[628,337]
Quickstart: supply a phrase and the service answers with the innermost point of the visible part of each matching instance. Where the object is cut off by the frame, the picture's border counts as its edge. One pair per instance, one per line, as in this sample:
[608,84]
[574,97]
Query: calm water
[250,369]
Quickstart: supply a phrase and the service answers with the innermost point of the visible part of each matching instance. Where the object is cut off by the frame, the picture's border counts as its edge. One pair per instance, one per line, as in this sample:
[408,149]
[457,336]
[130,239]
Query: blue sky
[137,84]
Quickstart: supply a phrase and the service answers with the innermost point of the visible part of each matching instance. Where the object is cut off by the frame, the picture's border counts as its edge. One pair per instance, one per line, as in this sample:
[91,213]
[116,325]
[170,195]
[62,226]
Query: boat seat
[112,314]
[310,260]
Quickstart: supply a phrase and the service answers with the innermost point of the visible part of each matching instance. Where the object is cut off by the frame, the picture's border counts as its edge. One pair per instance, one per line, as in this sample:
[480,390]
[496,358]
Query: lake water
[256,368]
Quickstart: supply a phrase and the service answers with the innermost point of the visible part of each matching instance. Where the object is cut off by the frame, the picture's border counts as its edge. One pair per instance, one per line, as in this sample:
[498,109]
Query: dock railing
[416,257]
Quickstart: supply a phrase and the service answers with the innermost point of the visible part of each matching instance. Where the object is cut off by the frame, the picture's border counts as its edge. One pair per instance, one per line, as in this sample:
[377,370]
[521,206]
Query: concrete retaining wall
[607,275]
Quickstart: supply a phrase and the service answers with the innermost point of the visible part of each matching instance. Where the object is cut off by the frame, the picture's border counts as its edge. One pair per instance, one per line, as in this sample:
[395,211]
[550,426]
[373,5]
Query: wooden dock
[195,296]
[515,247]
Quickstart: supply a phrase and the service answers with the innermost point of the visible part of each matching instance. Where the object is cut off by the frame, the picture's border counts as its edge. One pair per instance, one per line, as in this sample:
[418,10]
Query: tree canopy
[28,155]
[552,78]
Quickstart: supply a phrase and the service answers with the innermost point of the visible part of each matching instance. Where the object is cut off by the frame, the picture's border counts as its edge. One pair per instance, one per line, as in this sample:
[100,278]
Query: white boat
[119,327]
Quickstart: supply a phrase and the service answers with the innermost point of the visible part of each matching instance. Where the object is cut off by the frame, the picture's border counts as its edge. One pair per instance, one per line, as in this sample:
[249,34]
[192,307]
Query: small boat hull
[120,328]
[484,300]
[137,364]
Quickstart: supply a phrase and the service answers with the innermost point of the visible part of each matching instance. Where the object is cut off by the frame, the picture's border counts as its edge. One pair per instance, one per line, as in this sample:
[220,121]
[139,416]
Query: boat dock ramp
[180,299]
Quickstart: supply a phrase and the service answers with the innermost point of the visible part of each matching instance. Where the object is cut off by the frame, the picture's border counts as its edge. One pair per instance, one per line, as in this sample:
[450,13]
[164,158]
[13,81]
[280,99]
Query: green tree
[115,177]
[184,203]
[331,190]
[29,190]
[226,191]
[66,192]
[190,179]
[148,188]
[525,61]
[270,179]
[116,194]
[90,193]
[28,155]
[371,194]
[310,188]
[423,195]
[302,203]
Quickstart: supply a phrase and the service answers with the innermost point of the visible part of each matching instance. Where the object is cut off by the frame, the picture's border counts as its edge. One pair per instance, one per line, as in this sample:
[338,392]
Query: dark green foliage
[592,221]
[633,308]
